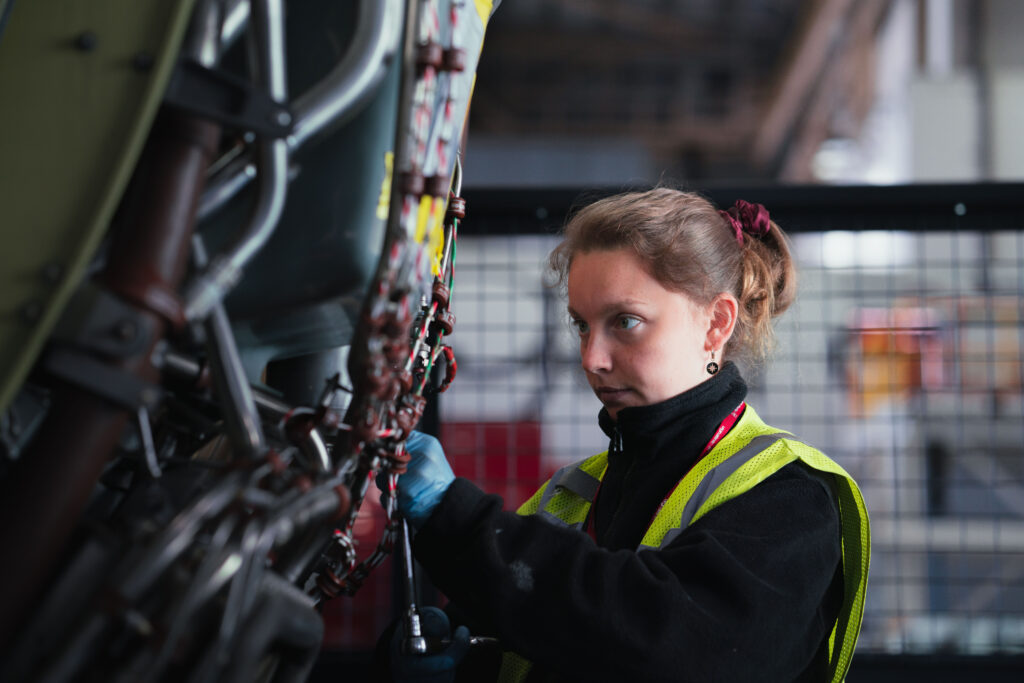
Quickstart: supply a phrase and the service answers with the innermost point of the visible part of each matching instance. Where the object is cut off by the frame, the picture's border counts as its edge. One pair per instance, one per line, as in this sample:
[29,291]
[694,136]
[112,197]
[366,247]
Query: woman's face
[640,343]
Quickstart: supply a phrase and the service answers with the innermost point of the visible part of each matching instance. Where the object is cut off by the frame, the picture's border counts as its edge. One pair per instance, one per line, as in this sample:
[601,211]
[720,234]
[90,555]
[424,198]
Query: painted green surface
[73,120]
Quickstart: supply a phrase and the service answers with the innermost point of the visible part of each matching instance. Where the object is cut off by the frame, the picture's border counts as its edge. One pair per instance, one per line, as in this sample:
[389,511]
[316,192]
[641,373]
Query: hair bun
[745,217]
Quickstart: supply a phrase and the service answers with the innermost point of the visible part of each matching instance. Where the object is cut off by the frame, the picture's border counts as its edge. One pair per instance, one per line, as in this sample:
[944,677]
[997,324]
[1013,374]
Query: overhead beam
[821,27]
[844,89]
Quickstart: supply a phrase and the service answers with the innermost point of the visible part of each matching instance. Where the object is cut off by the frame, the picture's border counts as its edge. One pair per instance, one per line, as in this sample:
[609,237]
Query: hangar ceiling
[711,88]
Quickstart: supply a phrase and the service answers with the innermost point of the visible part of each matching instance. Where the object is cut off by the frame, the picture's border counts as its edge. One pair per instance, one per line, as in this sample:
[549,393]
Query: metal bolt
[149,396]
[86,41]
[960,209]
[125,330]
[282,118]
[142,61]
[139,623]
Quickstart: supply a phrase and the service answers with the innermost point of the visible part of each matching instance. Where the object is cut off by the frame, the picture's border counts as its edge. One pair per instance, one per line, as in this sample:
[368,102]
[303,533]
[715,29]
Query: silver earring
[712,367]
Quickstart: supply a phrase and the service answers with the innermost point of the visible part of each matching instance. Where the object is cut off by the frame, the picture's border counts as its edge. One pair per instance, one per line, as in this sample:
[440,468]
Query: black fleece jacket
[748,592]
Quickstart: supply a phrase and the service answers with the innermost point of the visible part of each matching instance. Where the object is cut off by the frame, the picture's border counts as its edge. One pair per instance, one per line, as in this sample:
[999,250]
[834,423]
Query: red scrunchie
[747,217]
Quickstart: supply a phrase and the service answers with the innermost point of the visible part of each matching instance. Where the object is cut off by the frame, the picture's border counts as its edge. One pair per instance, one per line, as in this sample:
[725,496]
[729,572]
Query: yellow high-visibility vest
[750,453]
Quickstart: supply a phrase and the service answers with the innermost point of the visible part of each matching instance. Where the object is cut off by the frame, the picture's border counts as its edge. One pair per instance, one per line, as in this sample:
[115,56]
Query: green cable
[455,249]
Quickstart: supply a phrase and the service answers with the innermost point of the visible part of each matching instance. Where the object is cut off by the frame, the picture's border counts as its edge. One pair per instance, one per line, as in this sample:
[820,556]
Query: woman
[703,545]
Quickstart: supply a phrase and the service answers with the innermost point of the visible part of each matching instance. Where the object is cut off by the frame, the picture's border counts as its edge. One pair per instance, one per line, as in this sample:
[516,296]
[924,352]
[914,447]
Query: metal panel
[81,83]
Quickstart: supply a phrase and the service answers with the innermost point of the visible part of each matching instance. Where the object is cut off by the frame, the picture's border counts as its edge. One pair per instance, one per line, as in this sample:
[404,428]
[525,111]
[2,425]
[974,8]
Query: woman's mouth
[610,393]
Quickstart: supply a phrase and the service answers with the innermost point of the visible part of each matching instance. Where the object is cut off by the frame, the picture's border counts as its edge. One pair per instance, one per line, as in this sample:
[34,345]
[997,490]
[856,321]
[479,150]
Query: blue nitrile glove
[424,483]
[430,668]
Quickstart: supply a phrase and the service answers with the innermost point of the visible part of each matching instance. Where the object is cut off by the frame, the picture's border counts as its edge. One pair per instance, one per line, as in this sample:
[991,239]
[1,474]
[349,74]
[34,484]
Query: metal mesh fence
[902,359]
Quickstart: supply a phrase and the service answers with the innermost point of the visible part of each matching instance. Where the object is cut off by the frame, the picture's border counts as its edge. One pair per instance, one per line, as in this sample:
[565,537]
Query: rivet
[86,41]
[282,118]
[960,209]
[125,330]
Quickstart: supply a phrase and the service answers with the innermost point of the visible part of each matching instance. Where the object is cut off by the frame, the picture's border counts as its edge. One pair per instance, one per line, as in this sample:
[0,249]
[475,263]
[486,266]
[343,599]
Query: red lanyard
[727,424]
[724,428]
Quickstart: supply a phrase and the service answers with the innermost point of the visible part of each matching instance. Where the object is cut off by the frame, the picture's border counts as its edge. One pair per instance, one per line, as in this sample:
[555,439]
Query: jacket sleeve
[737,596]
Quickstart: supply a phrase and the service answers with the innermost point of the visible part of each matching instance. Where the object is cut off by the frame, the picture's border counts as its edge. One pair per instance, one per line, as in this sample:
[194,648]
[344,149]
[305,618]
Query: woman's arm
[738,596]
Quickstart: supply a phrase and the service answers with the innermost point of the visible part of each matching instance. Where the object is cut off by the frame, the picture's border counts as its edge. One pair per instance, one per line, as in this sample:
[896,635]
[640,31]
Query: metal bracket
[111,383]
[18,424]
[228,99]
[97,320]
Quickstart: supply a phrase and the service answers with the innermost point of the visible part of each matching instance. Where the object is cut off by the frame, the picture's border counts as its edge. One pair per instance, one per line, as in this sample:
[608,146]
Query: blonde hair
[691,247]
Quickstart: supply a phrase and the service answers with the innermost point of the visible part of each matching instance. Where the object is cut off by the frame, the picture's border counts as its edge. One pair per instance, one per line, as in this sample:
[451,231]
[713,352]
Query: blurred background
[885,137]
[599,92]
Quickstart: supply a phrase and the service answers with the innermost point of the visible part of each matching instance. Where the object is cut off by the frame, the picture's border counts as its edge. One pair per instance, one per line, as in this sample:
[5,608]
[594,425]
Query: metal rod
[148,449]
[449,240]
[225,184]
[203,40]
[241,416]
[457,176]
[332,101]
[312,447]
[337,97]
[233,390]
[145,565]
[236,18]
[413,642]
[211,286]
[315,451]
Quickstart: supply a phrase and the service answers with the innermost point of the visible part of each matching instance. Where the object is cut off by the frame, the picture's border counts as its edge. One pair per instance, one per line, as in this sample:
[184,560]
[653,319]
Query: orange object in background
[988,343]
[964,344]
[892,353]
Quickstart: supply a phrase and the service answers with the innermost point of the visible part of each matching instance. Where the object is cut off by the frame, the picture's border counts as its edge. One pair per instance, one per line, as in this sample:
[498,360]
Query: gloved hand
[431,668]
[424,483]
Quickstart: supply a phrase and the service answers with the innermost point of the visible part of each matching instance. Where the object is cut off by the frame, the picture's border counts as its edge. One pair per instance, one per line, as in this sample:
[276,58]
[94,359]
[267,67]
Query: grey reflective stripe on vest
[576,480]
[714,478]
[572,479]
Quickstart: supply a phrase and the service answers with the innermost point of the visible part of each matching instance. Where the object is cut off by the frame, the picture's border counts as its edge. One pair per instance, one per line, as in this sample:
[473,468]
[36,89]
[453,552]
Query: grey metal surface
[331,102]
[268,49]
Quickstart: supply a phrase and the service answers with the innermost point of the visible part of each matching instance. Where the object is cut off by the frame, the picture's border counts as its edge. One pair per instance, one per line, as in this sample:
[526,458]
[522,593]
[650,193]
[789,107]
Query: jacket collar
[692,416]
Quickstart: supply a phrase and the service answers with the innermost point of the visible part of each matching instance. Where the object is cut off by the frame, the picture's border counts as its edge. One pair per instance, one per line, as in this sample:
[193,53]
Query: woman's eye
[626,322]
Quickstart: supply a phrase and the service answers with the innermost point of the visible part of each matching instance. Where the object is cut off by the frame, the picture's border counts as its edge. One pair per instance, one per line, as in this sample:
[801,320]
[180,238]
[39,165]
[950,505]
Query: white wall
[945,121]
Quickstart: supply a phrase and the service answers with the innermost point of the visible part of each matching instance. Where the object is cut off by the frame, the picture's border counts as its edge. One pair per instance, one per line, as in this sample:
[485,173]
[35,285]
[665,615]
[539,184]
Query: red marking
[450,370]
[727,424]
[501,457]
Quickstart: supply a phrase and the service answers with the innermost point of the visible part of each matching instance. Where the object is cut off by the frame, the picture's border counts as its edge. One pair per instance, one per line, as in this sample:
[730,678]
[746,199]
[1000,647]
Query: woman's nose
[594,354]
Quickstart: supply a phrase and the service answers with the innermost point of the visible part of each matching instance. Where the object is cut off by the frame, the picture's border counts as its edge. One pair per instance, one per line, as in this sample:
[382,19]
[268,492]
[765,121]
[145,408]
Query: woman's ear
[724,310]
